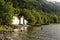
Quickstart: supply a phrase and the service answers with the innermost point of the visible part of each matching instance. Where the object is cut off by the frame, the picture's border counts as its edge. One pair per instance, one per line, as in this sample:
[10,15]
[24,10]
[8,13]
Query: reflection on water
[49,32]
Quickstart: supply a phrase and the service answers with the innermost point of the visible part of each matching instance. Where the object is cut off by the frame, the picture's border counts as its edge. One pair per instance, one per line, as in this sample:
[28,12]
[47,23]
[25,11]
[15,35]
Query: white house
[19,20]
[15,20]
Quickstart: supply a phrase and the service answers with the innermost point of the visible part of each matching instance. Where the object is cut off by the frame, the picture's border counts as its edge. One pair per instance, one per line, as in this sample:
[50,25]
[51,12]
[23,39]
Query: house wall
[25,21]
[15,20]
[21,20]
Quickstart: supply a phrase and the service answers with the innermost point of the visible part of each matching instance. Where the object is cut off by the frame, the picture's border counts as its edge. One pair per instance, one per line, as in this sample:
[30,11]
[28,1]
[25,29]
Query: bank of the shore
[30,25]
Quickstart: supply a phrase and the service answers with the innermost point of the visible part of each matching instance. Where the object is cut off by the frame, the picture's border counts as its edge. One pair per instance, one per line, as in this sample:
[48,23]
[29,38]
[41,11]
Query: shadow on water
[30,29]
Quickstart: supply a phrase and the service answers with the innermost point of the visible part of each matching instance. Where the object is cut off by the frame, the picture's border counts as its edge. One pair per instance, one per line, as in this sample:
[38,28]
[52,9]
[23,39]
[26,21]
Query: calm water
[49,32]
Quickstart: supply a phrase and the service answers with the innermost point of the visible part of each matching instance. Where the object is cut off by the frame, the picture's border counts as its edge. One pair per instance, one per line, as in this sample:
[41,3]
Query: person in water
[41,28]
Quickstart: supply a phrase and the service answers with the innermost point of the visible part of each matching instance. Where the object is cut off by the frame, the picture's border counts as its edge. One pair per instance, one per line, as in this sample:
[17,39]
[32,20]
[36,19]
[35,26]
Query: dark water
[49,32]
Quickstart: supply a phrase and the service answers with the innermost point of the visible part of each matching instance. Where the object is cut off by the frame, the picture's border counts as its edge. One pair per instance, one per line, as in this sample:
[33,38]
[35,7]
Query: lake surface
[49,32]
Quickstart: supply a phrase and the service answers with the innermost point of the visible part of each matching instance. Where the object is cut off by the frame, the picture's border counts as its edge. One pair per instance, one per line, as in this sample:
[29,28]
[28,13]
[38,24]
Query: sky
[54,0]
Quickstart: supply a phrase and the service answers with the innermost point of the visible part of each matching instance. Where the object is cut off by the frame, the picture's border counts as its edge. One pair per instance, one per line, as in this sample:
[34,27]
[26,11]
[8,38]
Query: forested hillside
[39,5]
[35,11]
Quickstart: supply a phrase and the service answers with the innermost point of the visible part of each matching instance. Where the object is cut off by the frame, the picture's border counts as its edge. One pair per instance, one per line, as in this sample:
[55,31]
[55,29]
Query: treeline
[35,11]
[35,17]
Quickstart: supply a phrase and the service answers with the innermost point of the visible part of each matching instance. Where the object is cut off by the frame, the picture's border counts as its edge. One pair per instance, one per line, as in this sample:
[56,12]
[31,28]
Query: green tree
[28,15]
[6,12]
[55,18]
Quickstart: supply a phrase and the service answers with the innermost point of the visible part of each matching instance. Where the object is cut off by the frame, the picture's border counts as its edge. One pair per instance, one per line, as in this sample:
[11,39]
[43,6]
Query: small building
[19,20]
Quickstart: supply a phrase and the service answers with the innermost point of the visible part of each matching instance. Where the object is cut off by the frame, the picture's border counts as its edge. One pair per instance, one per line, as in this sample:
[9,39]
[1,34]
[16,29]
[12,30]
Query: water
[49,32]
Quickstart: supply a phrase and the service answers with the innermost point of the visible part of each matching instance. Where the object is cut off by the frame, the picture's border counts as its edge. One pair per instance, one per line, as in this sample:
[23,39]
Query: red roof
[20,17]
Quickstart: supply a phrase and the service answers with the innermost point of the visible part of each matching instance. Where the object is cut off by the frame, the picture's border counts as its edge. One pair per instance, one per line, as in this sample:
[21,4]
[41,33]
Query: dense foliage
[6,12]
[35,11]
[6,15]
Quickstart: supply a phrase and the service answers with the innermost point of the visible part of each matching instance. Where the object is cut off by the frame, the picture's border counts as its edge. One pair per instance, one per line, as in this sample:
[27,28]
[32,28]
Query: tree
[55,18]
[28,15]
[6,12]
[6,16]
